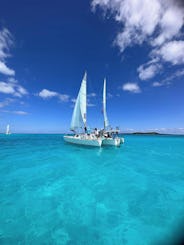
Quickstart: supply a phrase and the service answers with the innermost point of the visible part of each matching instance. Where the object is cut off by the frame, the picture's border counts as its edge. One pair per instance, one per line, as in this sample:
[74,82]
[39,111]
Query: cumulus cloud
[11,86]
[172,52]
[140,18]
[158,23]
[149,70]
[47,94]
[131,87]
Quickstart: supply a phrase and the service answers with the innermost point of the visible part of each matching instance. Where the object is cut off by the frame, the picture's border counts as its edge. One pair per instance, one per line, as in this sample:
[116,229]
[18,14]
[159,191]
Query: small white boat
[110,137]
[79,120]
[8,129]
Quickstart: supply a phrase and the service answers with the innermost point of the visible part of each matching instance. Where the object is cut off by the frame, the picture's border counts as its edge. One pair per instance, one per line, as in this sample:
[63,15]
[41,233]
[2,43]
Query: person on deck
[97,134]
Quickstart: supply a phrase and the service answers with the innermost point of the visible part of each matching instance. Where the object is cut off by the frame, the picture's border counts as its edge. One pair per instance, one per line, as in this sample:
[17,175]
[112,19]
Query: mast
[106,122]
[83,99]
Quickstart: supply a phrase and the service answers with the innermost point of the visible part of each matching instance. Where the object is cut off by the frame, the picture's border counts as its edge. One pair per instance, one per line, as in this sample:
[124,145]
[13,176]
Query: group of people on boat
[102,132]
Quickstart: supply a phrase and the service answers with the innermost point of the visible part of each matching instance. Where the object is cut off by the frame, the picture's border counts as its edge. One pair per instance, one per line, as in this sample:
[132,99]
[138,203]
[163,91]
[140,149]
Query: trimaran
[106,136]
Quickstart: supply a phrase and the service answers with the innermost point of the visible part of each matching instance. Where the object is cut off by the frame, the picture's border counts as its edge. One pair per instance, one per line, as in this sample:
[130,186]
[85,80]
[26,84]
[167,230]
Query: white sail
[79,112]
[8,129]
[83,98]
[106,121]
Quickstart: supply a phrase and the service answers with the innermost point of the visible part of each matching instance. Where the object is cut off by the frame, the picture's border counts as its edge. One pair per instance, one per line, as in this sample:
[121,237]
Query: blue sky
[45,47]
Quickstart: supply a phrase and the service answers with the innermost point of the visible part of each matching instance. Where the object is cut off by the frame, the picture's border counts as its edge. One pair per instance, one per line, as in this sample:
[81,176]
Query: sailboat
[110,136]
[79,120]
[8,129]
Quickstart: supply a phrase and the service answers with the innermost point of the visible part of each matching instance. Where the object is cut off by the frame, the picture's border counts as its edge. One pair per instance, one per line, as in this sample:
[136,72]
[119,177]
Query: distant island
[149,133]
[142,133]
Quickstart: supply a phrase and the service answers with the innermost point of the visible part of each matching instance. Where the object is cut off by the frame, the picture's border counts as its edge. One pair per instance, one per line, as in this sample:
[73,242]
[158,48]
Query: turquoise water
[56,193]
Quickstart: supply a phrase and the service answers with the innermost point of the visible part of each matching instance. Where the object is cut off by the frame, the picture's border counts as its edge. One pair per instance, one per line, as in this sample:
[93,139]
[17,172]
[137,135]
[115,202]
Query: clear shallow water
[56,193]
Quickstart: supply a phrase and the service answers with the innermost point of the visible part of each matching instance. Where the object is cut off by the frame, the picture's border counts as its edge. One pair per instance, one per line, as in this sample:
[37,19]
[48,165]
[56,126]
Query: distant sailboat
[79,121]
[110,135]
[8,129]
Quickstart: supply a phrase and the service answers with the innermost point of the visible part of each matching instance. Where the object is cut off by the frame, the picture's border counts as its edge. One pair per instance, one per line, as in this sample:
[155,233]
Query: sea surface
[52,192]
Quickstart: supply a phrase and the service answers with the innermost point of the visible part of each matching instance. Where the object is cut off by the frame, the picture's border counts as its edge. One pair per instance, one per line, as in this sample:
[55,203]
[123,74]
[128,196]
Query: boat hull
[111,141]
[83,141]
[122,140]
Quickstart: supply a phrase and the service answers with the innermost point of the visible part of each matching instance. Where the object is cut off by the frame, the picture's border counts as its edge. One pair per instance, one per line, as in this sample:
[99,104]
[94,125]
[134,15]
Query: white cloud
[6,102]
[6,41]
[6,70]
[131,87]
[16,112]
[21,90]
[47,94]
[172,52]
[20,112]
[170,23]
[141,18]
[156,22]
[64,97]
[157,84]
[12,87]
[171,130]
[6,88]
[92,95]
[147,71]
[169,79]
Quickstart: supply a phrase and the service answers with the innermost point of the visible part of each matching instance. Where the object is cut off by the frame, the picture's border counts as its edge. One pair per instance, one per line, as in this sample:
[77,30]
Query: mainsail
[79,112]
[106,121]
[8,129]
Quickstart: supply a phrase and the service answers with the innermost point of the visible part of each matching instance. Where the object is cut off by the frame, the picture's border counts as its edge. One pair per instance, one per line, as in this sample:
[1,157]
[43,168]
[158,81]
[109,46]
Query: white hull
[122,140]
[111,141]
[83,140]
